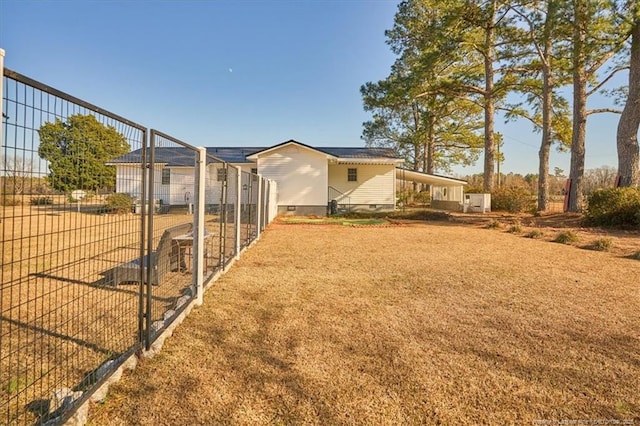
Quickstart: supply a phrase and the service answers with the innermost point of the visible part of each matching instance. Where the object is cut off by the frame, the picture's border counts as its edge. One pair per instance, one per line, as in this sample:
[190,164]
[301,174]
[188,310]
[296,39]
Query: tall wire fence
[108,232]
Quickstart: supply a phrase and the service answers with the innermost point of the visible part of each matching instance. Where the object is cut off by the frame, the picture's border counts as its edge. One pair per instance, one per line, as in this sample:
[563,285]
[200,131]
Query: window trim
[352,174]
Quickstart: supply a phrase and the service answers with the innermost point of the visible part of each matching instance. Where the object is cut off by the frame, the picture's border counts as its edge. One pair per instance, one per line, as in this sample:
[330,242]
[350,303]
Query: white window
[166,176]
[352,175]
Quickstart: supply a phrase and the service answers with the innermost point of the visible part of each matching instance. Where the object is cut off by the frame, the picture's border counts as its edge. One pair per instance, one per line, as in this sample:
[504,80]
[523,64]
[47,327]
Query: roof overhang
[428,179]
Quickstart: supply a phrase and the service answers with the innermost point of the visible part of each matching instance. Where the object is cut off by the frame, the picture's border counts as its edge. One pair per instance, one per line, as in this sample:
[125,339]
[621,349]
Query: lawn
[407,324]
[60,316]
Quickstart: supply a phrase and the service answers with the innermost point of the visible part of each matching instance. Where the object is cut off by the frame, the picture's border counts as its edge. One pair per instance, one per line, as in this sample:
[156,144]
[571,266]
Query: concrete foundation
[302,210]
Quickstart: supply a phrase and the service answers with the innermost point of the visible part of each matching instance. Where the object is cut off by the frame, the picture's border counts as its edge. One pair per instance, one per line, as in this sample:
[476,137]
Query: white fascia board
[367,161]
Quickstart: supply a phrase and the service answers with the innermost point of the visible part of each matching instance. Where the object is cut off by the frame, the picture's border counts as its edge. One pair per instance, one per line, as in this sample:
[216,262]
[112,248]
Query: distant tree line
[459,62]
[599,178]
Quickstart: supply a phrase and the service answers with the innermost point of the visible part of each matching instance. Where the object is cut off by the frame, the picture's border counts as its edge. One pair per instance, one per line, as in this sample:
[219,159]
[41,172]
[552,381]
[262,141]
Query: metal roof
[233,154]
[419,177]
[360,152]
[171,156]
[181,156]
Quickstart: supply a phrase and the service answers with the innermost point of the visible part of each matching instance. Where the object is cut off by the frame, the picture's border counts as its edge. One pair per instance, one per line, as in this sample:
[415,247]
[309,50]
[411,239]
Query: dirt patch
[422,324]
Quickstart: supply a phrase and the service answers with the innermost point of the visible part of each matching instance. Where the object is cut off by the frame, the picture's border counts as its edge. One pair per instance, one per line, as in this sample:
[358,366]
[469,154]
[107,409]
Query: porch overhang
[428,179]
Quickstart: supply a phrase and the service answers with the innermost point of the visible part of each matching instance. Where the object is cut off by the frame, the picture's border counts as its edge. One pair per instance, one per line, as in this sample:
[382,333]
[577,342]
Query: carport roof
[428,179]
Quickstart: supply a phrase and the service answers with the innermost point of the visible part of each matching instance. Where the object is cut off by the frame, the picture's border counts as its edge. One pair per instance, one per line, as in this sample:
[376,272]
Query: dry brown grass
[59,318]
[414,324]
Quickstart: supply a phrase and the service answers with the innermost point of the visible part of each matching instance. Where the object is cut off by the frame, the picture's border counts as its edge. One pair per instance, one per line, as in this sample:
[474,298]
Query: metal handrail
[335,194]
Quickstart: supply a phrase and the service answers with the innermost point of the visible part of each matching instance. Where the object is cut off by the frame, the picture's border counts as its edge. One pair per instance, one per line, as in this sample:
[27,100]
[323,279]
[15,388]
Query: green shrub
[566,237]
[422,197]
[118,203]
[536,233]
[613,207]
[513,200]
[472,188]
[602,244]
[403,197]
[41,201]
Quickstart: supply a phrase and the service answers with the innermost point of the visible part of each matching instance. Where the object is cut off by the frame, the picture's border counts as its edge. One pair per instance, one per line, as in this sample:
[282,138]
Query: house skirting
[341,208]
[446,205]
[302,210]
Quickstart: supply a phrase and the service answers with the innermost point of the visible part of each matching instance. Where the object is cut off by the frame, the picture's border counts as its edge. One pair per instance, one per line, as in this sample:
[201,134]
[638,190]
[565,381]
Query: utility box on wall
[477,203]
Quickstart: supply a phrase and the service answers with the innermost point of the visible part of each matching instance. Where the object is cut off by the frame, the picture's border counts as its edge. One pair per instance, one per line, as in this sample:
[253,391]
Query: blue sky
[234,72]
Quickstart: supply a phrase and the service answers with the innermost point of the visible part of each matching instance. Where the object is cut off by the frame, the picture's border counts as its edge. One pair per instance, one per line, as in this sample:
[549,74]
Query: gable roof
[254,155]
[336,152]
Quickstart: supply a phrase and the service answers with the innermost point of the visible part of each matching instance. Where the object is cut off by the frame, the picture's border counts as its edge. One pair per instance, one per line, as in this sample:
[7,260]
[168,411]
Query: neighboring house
[308,178]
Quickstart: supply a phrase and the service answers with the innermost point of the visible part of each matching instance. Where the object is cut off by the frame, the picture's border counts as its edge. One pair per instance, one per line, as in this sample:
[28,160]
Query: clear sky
[230,73]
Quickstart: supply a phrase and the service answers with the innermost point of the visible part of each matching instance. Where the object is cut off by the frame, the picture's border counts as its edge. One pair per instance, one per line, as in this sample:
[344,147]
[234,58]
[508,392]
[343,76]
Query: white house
[308,178]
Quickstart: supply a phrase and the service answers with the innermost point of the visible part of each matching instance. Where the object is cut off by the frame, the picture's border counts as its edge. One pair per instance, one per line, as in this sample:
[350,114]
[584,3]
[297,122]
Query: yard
[61,317]
[435,323]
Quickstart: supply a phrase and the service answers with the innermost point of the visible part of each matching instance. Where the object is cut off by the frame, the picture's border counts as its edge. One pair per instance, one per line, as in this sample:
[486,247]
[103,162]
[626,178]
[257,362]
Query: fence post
[259,208]
[198,235]
[1,94]
[238,212]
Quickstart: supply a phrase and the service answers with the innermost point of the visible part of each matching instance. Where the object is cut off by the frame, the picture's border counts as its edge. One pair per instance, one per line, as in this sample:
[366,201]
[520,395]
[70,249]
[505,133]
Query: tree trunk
[430,148]
[576,172]
[489,107]
[629,124]
[547,98]
[545,145]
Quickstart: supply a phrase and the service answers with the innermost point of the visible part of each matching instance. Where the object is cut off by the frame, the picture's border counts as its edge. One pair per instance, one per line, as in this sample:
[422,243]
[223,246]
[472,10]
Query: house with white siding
[309,179]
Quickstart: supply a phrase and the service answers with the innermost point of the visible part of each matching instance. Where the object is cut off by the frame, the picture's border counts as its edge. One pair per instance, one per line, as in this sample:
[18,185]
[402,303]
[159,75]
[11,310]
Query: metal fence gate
[62,319]
[109,231]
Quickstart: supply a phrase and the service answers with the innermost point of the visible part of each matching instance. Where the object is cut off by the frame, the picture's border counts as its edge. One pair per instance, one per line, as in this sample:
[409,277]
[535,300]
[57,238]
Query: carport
[446,192]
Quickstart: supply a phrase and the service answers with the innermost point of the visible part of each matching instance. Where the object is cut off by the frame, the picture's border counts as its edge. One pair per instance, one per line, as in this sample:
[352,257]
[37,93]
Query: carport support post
[198,240]
[238,213]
